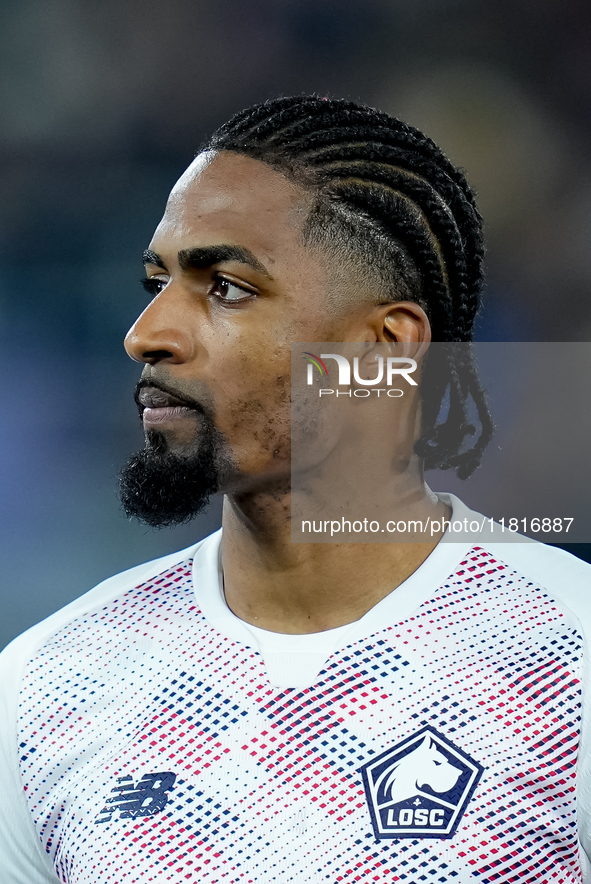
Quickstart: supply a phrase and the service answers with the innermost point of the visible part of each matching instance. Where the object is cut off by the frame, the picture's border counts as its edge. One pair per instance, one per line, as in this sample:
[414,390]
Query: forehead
[228,197]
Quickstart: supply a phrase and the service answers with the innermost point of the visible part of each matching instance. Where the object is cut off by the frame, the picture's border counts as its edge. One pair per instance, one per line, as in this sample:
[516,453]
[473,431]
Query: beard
[162,488]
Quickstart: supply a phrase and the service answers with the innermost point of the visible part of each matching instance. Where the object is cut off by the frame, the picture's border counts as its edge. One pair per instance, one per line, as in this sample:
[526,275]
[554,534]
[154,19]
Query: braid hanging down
[386,194]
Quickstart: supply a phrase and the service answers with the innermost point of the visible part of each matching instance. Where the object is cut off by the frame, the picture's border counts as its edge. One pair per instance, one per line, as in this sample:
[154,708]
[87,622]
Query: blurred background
[104,104]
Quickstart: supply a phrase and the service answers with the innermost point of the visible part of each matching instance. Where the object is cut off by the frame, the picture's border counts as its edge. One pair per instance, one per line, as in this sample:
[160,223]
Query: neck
[289,587]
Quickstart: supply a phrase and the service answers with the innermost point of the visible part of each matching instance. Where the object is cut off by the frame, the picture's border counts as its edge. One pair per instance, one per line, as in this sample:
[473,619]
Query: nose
[161,333]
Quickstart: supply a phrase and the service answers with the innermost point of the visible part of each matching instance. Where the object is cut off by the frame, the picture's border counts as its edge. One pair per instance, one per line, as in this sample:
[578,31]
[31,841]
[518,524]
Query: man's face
[233,287]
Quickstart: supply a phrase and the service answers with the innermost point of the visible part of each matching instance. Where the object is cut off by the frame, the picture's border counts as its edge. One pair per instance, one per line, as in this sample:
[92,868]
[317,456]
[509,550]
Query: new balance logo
[419,788]
[134,801]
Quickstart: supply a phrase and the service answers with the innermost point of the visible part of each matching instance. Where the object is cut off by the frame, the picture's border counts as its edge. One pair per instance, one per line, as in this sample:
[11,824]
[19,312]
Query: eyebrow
[150,257]
[205,256]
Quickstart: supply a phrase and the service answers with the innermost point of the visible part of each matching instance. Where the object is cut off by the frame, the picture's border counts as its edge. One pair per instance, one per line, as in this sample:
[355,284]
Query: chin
[169,483]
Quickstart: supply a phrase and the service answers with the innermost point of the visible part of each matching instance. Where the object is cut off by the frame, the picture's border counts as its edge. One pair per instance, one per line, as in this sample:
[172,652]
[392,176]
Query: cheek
[257,417]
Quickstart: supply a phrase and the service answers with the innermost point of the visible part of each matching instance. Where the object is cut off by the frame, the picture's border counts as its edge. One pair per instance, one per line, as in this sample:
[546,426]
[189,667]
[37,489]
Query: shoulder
[564,577]
[547,564]
[20,650]
[20,852]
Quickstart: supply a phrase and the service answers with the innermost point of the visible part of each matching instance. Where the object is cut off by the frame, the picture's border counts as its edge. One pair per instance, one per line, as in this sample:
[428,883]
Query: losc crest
[420,787]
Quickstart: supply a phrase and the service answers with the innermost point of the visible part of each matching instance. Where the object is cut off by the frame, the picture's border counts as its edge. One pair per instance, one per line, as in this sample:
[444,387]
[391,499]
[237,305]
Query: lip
[158,407]
[152,417]
[152,397]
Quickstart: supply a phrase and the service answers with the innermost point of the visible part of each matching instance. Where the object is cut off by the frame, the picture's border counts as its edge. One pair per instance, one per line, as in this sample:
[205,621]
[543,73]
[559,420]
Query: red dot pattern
[268,787]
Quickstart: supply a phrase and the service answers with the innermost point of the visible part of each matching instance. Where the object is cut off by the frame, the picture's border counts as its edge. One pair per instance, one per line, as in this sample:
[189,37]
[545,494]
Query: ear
[403,323]
[400,322]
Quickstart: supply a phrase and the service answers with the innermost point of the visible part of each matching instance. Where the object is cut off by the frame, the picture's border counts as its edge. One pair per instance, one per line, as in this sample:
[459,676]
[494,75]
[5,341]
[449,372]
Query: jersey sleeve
[22,859]
[567,579]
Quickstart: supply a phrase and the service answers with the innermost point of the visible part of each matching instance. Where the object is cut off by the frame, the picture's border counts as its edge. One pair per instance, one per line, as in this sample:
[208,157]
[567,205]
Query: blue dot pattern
[266,781]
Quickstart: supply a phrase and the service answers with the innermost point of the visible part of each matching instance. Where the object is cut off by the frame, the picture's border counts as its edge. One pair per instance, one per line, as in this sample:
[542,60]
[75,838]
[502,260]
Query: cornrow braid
[388,195]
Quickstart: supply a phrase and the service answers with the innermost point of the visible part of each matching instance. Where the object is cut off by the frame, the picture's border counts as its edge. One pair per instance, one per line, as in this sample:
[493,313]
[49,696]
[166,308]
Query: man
[257,710]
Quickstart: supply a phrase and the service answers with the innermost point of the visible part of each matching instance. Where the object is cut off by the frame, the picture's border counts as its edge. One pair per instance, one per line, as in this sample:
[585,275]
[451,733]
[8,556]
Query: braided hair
[387,196]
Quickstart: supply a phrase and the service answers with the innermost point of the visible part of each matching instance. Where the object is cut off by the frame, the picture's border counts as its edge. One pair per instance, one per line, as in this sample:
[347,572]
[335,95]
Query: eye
[229,292]
[153,284]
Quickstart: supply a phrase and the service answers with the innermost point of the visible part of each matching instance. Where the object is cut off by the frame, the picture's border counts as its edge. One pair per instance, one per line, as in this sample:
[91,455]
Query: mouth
[157,407]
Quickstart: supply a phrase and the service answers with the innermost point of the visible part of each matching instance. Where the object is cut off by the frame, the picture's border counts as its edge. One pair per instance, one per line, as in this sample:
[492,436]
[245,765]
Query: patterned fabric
[154,748]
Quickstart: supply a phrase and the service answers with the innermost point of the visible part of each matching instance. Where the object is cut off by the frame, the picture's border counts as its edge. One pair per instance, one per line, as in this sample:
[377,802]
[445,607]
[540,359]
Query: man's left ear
[401,322]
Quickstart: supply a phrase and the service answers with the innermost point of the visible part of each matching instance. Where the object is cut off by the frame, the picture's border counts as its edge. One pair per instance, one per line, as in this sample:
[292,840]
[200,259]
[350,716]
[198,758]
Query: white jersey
[149,735]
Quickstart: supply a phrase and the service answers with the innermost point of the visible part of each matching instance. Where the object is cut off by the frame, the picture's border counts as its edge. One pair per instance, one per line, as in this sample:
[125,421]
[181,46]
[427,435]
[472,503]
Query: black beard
[161,488]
